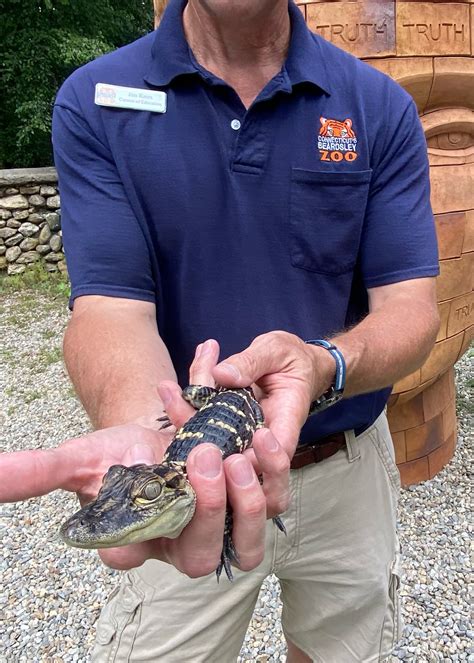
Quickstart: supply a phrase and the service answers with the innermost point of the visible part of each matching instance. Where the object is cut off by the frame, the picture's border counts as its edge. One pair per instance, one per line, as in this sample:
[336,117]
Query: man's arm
[116,359]
[393,340]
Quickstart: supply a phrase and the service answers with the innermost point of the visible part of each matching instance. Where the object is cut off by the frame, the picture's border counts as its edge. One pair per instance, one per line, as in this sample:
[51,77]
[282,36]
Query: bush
[41,43]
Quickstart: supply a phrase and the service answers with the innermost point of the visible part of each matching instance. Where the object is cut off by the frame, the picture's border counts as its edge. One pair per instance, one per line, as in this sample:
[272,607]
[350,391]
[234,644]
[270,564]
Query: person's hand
[289,373]
[251,503]
[78,465]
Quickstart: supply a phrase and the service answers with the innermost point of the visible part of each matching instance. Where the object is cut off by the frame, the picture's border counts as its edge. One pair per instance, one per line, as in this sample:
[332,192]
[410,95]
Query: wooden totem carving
[427,47]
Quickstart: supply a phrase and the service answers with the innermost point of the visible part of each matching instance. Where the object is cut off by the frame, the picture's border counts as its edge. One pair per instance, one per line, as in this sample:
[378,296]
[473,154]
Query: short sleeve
[399,237]
[106,251]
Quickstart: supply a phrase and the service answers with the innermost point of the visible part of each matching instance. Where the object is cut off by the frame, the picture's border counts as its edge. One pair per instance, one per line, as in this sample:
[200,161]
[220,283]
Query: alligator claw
[228,555]
[166,422]
[279,523]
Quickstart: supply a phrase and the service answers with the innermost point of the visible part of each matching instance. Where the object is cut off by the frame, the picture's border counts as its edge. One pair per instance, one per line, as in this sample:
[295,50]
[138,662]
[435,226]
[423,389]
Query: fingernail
[166,395]
[198,351]
[141,453]
[241,472]
[231,371]
[269,442]
[208,462]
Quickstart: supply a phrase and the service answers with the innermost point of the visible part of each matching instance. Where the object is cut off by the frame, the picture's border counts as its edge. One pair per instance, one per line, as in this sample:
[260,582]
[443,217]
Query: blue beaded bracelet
[335,392]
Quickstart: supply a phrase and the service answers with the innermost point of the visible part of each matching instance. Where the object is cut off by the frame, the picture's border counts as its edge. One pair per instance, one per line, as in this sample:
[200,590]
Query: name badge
[118,96]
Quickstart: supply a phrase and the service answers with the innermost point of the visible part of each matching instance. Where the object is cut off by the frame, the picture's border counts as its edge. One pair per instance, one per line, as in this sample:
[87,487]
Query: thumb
[240,370]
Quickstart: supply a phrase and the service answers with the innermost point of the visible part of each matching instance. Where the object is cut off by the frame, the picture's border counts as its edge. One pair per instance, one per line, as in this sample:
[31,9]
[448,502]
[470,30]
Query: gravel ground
[51,595]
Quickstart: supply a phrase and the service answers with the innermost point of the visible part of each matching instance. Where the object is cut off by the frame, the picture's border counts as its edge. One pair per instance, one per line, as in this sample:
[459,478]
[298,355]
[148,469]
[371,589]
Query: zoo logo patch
[337,140]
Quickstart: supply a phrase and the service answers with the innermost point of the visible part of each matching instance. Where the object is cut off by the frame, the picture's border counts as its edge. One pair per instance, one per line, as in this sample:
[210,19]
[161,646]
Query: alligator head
[134,504]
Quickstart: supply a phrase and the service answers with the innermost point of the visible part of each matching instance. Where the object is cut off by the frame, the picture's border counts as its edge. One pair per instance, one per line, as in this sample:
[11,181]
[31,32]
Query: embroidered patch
[337,140]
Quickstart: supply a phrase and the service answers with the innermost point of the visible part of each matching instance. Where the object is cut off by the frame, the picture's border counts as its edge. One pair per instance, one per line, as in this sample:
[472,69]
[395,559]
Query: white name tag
[117,96]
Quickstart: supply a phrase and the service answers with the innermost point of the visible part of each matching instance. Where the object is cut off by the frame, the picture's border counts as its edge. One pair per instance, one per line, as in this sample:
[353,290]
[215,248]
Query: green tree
[41,43]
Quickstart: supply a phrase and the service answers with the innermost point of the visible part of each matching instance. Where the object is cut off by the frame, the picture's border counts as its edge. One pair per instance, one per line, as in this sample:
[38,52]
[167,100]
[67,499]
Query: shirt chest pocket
[326,216]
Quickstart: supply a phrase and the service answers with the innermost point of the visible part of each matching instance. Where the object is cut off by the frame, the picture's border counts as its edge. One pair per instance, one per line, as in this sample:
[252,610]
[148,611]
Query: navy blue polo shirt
[237,222]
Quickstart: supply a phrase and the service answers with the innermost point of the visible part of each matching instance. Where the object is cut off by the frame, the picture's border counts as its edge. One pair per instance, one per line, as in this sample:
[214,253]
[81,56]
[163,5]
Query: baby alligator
[149,501]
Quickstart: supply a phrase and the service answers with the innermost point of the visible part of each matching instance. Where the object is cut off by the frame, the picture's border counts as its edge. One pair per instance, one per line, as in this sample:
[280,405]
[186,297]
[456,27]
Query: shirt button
[235,124]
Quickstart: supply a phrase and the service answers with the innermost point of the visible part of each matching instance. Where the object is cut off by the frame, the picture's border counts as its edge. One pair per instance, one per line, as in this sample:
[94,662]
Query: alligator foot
[166,422]
[229,553]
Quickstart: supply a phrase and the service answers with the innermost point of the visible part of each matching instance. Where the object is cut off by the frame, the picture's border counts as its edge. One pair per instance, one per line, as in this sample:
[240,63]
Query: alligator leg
[277,520]
[229,553]
[198,395]
[258,414]
[259,420]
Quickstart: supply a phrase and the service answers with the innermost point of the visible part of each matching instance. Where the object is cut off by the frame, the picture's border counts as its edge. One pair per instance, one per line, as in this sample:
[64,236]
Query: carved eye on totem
[452,140]
[450,136]
[152,490]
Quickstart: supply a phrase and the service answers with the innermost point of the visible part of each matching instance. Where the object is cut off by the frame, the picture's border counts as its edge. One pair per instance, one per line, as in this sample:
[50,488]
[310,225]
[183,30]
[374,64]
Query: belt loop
[352,445]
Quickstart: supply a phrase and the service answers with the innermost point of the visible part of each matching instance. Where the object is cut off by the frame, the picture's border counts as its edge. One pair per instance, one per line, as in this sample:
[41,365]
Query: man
[280,194]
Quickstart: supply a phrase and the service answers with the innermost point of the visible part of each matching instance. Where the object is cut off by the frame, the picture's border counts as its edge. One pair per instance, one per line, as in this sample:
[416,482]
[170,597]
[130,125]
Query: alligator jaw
[170,523]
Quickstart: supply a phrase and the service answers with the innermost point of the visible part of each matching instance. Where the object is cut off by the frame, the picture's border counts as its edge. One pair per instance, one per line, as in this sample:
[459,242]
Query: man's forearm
[116,359]
[392,341]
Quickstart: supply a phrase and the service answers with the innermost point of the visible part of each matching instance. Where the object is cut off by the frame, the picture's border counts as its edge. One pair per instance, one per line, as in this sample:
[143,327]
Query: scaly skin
[134,504]
[149,501]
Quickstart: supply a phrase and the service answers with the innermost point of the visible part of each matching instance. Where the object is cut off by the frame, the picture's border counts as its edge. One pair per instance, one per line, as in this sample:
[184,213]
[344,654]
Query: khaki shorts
[338,568]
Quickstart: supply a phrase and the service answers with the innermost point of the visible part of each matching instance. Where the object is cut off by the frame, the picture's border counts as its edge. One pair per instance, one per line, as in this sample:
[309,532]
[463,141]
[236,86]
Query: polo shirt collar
[170,53]
[172,57]
[305,59]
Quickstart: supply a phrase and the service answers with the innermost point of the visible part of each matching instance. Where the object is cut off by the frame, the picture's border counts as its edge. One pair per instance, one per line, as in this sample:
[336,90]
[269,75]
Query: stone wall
[30,220]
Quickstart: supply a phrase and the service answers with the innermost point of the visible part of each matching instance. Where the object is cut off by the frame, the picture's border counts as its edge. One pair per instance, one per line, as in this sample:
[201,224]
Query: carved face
[445,98]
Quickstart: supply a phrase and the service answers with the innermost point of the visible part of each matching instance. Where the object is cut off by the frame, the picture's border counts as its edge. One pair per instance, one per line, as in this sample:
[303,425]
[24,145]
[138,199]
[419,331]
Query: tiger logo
[337,140]
[336,128]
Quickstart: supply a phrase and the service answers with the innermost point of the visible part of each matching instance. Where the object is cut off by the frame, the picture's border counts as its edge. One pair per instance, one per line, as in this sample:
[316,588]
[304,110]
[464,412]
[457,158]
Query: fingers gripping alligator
[144,502]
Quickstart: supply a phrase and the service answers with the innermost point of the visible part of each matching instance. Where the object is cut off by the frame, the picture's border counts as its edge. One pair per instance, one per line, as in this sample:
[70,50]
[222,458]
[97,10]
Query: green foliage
[41,43]
[36,279]
[47,356]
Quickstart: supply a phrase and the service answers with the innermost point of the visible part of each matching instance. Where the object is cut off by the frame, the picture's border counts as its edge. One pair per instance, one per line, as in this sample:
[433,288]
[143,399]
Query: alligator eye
[152,490]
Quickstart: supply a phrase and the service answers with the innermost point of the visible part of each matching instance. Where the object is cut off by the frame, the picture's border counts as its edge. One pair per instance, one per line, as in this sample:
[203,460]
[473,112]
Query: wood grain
[361,28]
[426,28]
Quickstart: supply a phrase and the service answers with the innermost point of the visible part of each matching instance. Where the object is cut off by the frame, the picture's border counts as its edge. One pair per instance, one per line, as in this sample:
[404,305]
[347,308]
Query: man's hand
[252,503]
[288,373]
